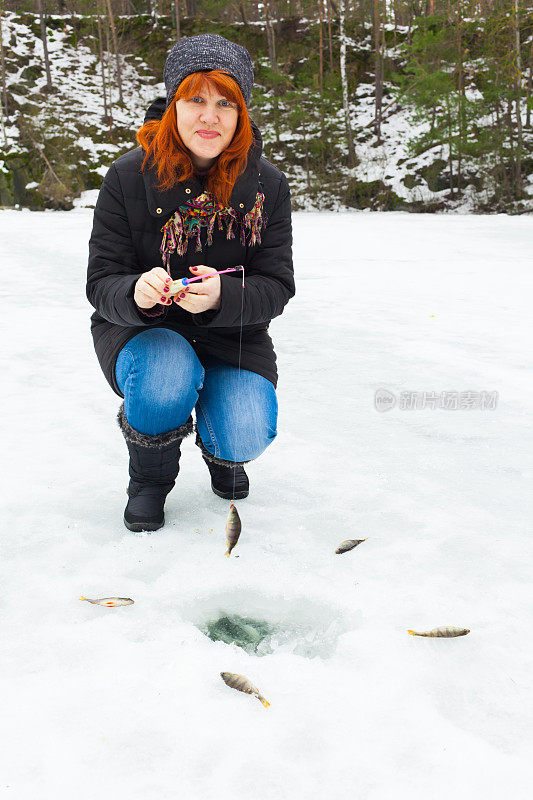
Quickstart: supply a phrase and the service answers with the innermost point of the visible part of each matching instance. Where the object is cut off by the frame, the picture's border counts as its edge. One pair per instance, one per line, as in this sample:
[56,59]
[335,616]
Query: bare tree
[154,12]
[115,48]
[177,13]
[105,63]
[3,104]
[101,50]
[518,85]
[344,82]
[328,5]
[321,73]
[40,5]
[270,35]
[48,164]
[378,67]
[244,16]
[529,86]
[3,66]
[458,25]
[320,46]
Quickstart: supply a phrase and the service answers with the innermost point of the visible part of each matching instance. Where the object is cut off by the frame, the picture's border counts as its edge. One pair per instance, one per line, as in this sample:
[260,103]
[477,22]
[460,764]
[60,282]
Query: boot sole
[229,495]
[138,527]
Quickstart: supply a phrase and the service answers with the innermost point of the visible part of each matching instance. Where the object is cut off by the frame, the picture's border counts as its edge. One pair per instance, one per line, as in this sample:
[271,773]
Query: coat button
[187,191]
[159,211]
[194,341]
[241,205]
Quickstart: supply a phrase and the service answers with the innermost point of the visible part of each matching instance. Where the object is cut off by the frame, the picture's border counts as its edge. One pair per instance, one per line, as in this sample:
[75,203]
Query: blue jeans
[162,380]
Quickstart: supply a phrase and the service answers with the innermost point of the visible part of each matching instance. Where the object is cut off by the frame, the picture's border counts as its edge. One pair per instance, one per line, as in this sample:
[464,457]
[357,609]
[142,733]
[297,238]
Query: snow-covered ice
[128,702]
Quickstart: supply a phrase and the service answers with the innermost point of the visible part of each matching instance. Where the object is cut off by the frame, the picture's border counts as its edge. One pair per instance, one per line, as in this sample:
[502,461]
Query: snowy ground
[128,702]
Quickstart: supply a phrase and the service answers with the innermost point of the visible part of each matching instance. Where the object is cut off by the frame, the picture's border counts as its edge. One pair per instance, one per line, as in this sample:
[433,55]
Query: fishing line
[238,383]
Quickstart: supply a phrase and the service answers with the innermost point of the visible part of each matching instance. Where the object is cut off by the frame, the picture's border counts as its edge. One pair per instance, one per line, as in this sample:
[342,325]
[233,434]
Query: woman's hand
[152,288]
[201,295]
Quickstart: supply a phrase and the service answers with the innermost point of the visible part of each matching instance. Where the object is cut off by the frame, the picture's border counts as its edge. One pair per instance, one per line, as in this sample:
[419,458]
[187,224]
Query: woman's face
[206,124]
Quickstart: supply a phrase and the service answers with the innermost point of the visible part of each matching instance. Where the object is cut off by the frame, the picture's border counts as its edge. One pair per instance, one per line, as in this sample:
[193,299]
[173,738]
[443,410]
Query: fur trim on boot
[153,468]
[145,440]
[215,459]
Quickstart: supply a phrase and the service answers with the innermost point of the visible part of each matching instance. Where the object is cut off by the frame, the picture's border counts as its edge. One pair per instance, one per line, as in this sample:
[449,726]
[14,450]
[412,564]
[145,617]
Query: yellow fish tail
[83,598]
[413,633]
[265,702]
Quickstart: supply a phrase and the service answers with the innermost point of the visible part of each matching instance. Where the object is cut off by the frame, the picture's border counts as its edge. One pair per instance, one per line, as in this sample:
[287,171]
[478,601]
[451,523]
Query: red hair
[165,150]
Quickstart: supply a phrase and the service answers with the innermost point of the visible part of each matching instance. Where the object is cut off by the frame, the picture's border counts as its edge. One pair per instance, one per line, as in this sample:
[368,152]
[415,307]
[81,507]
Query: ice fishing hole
[299,626]
[262,638]
[252,635]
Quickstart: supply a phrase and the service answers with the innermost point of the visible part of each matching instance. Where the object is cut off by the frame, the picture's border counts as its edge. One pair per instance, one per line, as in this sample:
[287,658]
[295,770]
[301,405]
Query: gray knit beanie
[208,51]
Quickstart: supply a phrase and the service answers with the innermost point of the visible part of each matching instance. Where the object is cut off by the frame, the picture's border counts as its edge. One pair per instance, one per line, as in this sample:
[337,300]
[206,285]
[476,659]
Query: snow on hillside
[128,702]
[393,159]
[76,113]
[78,105]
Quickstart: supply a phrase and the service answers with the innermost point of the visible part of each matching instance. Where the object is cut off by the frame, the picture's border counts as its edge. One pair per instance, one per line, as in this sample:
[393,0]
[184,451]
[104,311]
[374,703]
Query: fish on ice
[242,684]
[233,528]
[110,602]
[348,544]
[446,631]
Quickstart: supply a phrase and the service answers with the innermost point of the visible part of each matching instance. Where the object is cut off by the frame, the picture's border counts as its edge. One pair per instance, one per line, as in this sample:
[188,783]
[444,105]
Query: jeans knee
[161,365]
[246,448]
[159,375]
[175,381]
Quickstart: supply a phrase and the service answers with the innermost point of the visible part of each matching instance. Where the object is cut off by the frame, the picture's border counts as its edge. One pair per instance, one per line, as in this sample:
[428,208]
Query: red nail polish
[194,269]
[182,295]
[166,289]
[163,299]
[167,280]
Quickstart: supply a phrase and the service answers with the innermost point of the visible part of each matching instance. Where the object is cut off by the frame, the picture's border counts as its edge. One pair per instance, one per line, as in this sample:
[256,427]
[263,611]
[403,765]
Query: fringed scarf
[202,212]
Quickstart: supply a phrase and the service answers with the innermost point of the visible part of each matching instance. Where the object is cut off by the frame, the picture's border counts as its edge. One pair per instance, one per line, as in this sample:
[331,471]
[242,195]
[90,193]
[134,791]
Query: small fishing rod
[178,285]
[233,524]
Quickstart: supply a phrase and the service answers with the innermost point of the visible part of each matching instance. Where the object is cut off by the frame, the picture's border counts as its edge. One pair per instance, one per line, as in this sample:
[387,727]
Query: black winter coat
[125,241]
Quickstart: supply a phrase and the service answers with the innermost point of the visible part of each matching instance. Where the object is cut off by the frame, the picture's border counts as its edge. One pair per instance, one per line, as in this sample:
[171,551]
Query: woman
[195,198]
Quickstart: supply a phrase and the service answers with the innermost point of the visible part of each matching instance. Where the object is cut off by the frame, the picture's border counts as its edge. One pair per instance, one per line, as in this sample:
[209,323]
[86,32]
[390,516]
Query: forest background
[416,105]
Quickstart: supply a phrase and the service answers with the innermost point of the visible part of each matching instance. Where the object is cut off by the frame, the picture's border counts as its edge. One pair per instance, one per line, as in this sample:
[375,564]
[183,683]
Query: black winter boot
[154,466]
[222,480]
[224,474]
